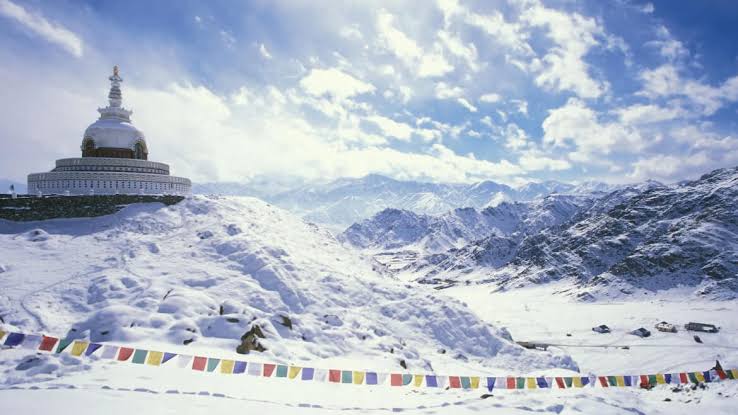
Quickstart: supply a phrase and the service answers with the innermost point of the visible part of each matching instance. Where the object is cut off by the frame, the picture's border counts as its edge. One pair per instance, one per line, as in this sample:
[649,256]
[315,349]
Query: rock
[403,363]
[250,341]
[286,321]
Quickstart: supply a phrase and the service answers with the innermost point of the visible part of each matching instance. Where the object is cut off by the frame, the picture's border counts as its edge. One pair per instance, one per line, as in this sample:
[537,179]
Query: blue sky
[454,91]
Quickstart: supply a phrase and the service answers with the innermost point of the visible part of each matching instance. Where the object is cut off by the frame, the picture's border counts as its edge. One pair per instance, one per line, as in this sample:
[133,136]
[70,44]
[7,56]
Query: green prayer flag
[139,356]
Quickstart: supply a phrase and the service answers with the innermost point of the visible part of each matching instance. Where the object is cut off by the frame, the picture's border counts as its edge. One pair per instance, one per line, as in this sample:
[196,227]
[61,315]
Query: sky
[445,91]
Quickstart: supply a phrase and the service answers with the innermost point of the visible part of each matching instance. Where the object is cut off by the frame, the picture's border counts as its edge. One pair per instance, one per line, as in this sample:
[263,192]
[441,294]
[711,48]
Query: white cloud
[454,44]
[486,120]
[38,24]
[391,127]
[521,106]
[534,161]
[446,91]
[466,104]
[515,137]
[264,52]
[490,98]
[335,83]
[667,45]
[648,114]
[433,65]
[351,32]
[665,81]
[395,40]
[564,66]
[509,35]
[577,125]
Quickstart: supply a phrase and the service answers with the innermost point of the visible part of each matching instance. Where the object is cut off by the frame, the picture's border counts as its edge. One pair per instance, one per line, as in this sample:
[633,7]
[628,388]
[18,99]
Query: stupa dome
[113,134]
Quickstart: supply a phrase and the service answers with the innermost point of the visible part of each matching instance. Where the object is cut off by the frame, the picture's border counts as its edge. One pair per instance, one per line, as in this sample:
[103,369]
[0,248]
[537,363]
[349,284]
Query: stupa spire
[115,97]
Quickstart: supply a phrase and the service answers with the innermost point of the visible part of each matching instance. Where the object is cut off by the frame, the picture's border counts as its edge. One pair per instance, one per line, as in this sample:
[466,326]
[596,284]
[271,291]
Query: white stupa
[114,159]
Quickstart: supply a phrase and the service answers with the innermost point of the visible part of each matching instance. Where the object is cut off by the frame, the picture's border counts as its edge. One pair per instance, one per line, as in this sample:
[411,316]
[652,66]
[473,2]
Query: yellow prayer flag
[418,380]
[154,358]
[532,384]
[78,348]
[735,373]
[226,366]
[294,371]
[700,377]
[475,382]
[2,334]
[358,377]
[660,379]
[577,382]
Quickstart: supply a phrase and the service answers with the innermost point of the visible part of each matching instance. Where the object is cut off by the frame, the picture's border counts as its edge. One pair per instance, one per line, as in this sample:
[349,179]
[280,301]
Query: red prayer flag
[603,381]
[560,383]
[721,374]
[124,353]
[454,381]
[683,378]
[396,379]
[334,375]
[269,369]
[644,380]
[47,343]
[511,383]
[199,362]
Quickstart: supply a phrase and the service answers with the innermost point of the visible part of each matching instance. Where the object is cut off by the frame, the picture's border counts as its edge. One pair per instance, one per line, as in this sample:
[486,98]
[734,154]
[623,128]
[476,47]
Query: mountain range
[644,237]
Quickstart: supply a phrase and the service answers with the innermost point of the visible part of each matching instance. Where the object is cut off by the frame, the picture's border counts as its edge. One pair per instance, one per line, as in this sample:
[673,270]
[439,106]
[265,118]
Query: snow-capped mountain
[200,273]
[649,236]
[347,201]
[395,229]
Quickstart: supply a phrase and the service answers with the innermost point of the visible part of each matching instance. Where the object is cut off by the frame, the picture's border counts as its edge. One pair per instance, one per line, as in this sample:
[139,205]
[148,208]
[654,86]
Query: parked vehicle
[641,332]
[601,329]
[704,327]
[666,327]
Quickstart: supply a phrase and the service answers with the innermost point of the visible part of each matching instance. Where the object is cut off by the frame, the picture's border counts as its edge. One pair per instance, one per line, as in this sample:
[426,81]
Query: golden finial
[115,70]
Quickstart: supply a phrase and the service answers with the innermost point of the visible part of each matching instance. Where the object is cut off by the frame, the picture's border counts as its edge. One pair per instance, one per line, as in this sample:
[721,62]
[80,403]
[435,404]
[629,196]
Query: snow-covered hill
[202,272]
[648,237]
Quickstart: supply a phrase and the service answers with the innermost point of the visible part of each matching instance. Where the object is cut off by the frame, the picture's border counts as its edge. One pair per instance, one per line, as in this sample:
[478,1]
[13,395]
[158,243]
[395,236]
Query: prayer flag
[78,348]
[626,381]
[320,375]
[183,361]
[431,381]
[308,373]
[542,382]
[707,376]
[212,364]
[371,378]
[465,382]
[199,363]
[612,381]
[531,383]
[139,356]
[92,348]
[603,381]
[63,343]
[293,372]
[347,376]
[109,352]
[396,379]
[239,367]
[281,371]
[418,380]
[660,379]
[474,382]
[226,366]
[579,382]
[167,357]
[491,383]
[123,353]
[511,383]
[442,381]
[334,375]
[14,339]
[520,383]
[568,380]
[560,382]
[358,377]
[47,343]
[454,382]
[269,369]
[2,334]
[31,341]
[154,358]
[406,379]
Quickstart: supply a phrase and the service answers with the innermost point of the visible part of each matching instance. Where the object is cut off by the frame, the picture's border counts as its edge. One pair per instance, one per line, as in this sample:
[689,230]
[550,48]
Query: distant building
[114,159]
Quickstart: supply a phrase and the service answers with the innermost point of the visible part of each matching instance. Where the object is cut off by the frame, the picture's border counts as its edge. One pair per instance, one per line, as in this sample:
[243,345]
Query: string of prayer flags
[80,348]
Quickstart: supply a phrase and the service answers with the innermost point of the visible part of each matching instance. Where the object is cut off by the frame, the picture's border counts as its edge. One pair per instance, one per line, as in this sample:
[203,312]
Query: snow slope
[203,271]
